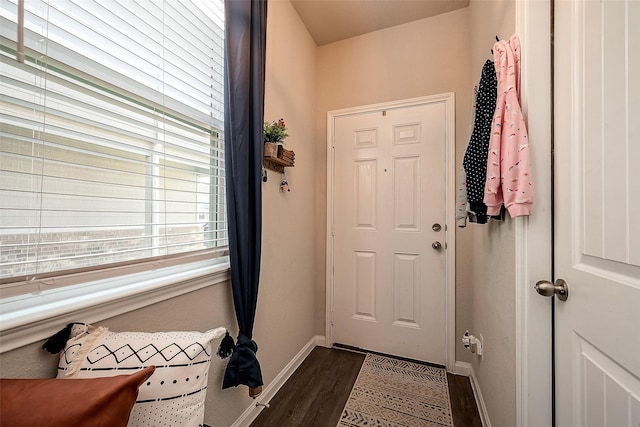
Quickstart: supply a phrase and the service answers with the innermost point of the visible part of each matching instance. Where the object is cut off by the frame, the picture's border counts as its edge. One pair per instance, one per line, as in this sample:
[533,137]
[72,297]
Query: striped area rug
[391,392]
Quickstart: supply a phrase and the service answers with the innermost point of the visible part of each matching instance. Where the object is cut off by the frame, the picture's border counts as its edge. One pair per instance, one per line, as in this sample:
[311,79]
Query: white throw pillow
[174,395]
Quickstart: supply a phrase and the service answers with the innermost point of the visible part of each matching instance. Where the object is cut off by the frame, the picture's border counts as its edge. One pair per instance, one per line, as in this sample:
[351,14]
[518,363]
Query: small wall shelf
[286,158]
[275,164]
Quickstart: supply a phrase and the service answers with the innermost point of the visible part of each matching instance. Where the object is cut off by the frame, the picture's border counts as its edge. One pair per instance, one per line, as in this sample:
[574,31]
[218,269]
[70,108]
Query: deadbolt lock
[436,227]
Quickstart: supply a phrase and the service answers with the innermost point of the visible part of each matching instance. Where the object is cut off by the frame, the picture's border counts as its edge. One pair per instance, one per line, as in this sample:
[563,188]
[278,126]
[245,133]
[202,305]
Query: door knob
[547,289]
[436,245]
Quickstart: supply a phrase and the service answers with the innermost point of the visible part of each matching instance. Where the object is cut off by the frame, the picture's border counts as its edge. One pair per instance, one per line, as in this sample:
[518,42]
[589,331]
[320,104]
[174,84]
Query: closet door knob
[436,245]
[547,289]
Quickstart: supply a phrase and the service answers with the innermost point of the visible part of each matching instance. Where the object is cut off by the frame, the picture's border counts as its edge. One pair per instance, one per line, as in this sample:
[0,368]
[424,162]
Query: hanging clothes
[461,200]
[475,157]
[508,179]
[462,212]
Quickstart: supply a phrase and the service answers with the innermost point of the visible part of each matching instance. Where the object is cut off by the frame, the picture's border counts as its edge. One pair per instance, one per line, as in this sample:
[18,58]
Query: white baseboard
[464,368]
[272,388]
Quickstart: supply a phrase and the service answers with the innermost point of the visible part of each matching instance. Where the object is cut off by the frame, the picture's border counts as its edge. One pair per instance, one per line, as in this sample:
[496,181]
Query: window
[111,144]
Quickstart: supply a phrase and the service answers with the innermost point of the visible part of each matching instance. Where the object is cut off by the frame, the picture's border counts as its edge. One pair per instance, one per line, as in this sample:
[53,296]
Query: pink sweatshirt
[508,167]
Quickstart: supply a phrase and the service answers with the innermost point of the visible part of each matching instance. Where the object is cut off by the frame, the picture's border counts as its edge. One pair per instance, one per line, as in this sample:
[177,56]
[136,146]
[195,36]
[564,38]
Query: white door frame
[450,225]
[533,234]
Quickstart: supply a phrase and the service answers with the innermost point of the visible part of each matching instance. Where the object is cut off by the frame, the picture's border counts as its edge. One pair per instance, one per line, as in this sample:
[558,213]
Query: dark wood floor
[317,392]
[463,403]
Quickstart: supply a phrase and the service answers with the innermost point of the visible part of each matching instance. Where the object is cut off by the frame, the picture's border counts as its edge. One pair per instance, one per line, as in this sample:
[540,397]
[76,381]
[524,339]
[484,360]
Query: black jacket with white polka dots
[475,158]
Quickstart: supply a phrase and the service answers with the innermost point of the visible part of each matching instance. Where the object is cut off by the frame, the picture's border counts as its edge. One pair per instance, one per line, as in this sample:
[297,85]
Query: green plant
[275,131]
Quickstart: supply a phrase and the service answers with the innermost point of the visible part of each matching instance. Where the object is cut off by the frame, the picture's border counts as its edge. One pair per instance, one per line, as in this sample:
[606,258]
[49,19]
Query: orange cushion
[95,402]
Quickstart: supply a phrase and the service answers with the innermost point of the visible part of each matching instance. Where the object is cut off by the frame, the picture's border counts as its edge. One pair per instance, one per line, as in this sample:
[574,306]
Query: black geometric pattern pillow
[174,395]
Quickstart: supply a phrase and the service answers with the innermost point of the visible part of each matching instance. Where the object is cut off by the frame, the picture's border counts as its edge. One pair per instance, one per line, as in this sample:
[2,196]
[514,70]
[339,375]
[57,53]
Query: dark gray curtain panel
[245,40]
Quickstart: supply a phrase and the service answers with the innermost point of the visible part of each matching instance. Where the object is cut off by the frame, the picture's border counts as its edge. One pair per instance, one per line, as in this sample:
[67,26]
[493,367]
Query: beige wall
[424,57]
[491,262]
[285,320]
[285,315]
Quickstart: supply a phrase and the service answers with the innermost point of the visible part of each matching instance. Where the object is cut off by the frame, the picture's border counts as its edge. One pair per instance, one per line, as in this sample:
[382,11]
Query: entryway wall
[424,57]
[492,261]
[430,56]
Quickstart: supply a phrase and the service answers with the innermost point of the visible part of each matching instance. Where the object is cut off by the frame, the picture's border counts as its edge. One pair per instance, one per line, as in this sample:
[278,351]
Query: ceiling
[329,21]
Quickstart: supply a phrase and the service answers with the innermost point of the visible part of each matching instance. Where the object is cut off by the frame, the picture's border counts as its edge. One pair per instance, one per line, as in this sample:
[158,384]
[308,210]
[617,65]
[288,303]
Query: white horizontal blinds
[111,147]
[173,48]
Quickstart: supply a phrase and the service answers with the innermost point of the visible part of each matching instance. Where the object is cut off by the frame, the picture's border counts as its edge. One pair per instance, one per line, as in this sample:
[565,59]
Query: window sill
[26,319]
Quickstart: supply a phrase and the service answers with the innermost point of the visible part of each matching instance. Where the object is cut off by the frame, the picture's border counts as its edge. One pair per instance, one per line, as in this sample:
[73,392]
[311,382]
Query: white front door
[388,220]
[597,212]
